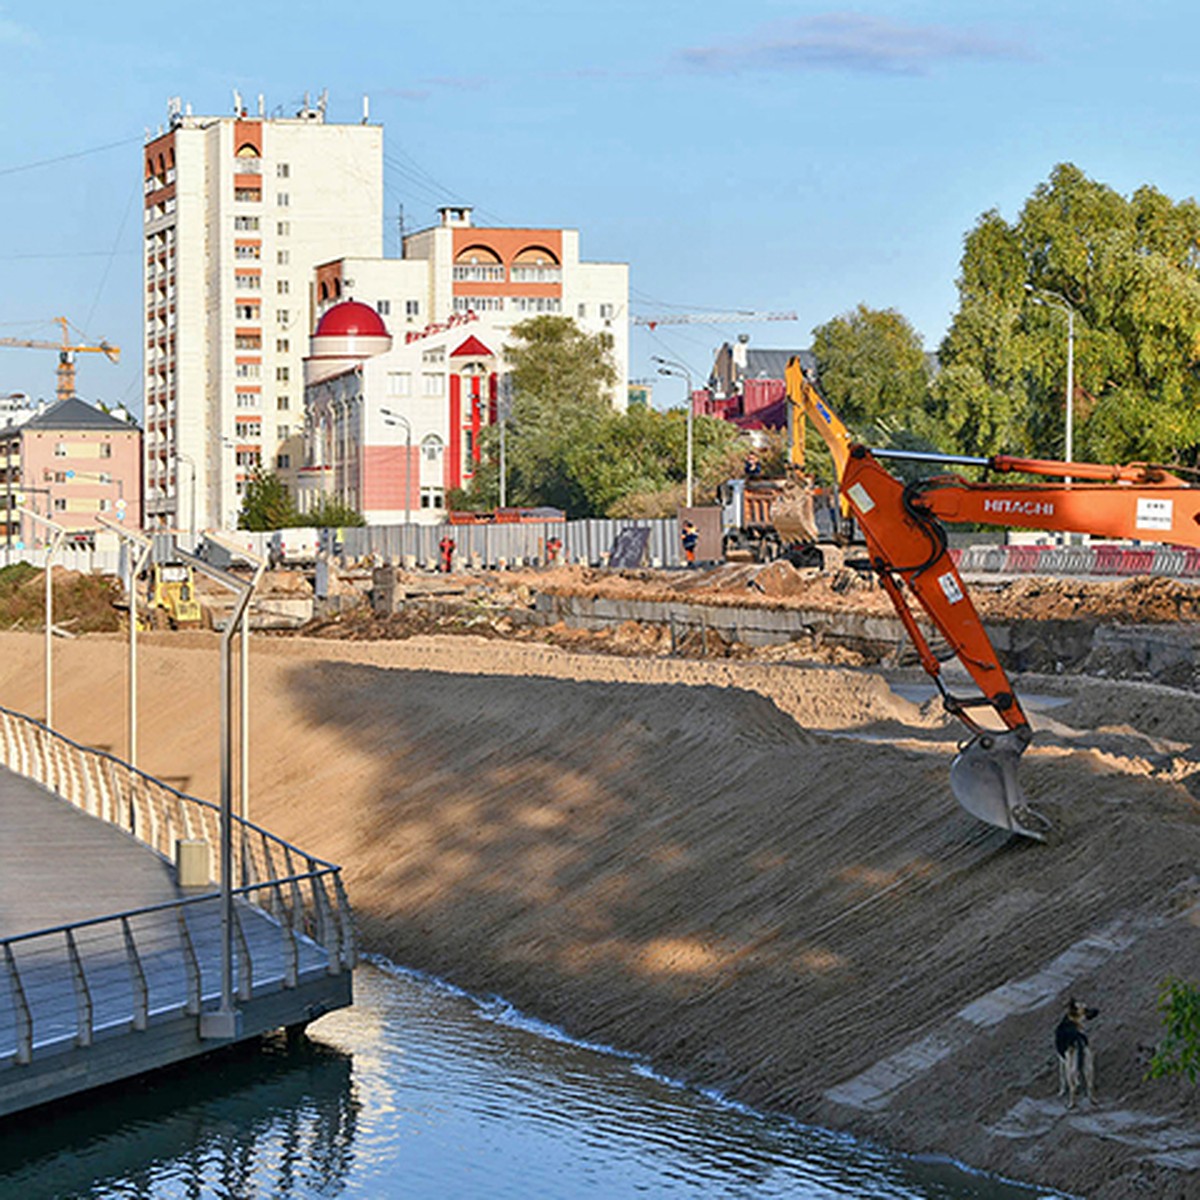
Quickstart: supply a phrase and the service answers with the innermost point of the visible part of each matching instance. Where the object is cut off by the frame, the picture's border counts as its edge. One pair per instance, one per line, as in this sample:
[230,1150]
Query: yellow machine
[173,596]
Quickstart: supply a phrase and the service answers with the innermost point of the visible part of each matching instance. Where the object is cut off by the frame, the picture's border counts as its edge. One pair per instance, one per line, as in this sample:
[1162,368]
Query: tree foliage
[1179,1051]
[872,369]
[566,446]
[268,505]
[1129,268]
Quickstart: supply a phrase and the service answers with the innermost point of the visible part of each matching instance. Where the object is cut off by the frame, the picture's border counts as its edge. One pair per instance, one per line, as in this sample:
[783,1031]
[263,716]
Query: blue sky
[769,155]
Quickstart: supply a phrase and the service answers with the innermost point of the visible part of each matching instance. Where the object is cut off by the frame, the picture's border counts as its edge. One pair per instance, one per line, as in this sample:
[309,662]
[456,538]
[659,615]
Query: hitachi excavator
[906,543]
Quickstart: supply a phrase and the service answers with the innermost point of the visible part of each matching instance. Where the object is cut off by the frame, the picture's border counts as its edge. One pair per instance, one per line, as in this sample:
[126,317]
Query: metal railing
[71,982]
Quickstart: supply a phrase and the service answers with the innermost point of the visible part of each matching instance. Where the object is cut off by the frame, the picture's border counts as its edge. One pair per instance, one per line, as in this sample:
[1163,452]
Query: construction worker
[752,467]
[446,548]
[689,537]
[553,546]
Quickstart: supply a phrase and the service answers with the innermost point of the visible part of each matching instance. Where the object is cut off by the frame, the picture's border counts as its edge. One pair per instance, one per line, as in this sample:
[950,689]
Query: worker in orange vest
[446,546]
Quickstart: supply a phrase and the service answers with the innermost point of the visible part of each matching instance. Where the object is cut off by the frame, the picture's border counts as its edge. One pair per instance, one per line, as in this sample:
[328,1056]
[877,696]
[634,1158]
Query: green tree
[1179,1051]
[267,503]
[872,370]
[1130,270]
[329,513]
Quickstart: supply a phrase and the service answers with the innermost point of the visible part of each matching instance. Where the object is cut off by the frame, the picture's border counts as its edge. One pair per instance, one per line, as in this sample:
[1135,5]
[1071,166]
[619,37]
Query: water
[420,1091]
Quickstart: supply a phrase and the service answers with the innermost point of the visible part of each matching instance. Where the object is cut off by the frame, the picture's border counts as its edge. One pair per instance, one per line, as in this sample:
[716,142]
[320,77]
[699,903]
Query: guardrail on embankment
[1177,561]
[150,972]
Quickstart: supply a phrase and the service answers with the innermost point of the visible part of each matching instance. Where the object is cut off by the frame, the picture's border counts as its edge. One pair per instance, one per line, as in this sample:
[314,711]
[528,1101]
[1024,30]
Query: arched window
[536,264]
[247,150]
[478,264]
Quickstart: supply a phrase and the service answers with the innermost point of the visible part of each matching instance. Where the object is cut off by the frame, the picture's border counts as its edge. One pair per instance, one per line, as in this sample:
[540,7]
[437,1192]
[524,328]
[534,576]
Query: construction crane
[716,318]
[66,355]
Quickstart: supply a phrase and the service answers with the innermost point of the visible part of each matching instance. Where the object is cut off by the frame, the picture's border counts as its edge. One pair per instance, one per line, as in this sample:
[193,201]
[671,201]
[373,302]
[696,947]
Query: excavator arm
[907,544]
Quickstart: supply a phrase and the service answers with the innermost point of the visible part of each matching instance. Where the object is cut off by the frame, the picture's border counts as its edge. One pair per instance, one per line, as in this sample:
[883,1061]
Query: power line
[49,162]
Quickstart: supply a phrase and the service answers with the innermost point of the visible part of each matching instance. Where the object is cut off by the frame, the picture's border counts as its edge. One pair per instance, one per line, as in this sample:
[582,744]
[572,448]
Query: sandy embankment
[758,879]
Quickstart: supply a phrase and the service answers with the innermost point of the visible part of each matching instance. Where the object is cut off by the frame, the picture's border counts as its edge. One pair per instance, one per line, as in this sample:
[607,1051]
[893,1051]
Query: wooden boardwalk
[113,999]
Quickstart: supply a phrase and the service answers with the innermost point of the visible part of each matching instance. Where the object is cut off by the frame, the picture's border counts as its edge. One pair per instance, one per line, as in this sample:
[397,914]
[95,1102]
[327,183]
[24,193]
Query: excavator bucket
[793,515]
[983,778]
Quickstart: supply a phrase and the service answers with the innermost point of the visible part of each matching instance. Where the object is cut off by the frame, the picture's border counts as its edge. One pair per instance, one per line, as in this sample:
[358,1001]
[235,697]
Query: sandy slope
[753,874]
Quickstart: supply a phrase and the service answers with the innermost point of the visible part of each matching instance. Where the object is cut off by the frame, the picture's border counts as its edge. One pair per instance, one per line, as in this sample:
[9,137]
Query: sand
[754,874]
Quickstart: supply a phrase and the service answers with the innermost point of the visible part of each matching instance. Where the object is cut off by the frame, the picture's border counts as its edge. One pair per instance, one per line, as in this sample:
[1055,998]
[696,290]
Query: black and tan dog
[1076,1064]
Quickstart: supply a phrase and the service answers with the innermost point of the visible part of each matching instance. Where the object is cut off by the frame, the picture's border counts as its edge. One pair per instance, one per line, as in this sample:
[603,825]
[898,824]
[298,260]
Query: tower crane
[66,355]
[715,318]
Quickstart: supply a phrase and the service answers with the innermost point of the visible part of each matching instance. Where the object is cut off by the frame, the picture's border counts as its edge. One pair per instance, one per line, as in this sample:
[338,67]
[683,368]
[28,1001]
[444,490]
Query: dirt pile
[752,873]
[81,603]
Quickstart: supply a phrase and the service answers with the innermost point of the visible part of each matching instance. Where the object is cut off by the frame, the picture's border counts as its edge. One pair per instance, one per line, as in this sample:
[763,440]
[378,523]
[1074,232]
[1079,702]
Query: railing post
[291,954]
[137,979]
[191,966]
[346,921]
[23,1018]
[327,931]
[245,987]
[83,996]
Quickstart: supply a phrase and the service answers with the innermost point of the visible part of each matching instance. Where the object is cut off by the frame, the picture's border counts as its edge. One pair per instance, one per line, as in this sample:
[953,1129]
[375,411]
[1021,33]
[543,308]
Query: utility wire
[49,162]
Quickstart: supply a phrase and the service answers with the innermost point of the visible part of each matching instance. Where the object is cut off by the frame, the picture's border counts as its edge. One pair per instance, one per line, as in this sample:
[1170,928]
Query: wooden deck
[116,999]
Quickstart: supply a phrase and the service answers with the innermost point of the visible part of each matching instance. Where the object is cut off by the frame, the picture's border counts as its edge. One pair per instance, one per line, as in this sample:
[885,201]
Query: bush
[1179,1051]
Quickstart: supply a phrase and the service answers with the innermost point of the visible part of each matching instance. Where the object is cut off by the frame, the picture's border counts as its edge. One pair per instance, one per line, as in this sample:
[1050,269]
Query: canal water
[420,1091]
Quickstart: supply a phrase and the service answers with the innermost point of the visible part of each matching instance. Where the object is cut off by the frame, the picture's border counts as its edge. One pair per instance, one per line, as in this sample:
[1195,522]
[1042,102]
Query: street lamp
[52,545]
[391,418]
[1054,300]
[680,371]
[187,458]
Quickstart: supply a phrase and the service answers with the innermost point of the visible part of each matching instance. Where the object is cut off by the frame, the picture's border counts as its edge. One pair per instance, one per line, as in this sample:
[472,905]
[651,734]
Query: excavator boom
[906,540]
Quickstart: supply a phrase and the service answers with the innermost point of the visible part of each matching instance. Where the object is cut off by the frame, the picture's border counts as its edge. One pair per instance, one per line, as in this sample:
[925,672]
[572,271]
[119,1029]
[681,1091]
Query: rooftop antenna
[237,103]
[323,102]
[262,105]
[366,109]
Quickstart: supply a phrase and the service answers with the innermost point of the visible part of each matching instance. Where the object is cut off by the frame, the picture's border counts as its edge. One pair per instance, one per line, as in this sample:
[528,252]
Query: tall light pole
[391,418]
[191,462]
[1054,300]
[52,545]
[668,366]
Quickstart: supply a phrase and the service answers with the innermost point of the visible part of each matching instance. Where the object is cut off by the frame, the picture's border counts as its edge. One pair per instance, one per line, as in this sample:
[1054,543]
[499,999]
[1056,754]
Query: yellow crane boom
[66,355]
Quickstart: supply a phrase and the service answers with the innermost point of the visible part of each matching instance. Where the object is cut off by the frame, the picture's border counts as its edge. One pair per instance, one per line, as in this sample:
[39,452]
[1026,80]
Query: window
[281,317]
[282,287]
[60,504]
[537,274]
[60,477]
[104,504]
[282,170]
[283,461]
[248,195]
[475,273]
[399,383]
[60,449]
[245,224]
[468,452]
[431,448]
[412,308]
[480,304]
[247,399]
[283,403]
[383,308]
[537,304]
[283,432]
[432,384]
[282,374]
[283,228]
[248,341]
[282,199]
[283,257]
[281,345]
[606,312]
[248,370]
[248,283]
[432,497]
[246,252]
[582,311]
[246,312]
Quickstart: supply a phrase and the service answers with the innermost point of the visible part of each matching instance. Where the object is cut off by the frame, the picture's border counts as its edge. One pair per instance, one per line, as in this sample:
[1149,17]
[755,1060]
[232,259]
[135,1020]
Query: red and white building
[392,425]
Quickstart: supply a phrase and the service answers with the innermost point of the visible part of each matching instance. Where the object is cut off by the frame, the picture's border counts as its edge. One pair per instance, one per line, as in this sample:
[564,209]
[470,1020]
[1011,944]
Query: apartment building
[501,275]
[239,211]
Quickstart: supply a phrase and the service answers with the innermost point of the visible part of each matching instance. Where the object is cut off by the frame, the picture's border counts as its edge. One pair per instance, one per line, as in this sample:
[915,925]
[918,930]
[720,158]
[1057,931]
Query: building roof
[351,318]
[772,364]
[77,414]
[471,348]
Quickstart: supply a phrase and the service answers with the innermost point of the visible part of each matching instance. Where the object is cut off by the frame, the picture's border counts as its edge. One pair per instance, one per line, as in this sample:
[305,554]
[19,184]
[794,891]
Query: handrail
[292,919]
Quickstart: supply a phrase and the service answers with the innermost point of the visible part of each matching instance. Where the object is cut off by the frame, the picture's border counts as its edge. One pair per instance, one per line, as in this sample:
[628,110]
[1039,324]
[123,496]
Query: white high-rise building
[239,210]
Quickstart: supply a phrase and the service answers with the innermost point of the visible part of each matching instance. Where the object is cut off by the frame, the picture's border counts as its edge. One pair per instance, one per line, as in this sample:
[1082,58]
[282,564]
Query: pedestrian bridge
[112,963]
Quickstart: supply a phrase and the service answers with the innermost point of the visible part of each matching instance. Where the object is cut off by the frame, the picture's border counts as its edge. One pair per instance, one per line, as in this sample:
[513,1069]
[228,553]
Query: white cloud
[852,42]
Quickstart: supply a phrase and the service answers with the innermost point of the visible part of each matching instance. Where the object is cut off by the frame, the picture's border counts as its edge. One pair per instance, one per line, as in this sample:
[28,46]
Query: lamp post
[391,418]
[1054,300]
[669,366]
[187,458]
[52,545]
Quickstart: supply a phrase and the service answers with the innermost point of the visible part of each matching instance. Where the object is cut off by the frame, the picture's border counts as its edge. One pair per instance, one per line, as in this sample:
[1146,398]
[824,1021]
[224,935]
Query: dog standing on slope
[1075,1062]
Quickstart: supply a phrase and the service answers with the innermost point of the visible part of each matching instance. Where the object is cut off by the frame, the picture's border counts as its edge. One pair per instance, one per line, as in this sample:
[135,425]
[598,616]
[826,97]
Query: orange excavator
[907,546]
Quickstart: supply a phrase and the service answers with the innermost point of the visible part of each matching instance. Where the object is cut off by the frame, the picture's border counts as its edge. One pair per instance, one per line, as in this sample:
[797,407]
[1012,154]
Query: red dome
[351,319]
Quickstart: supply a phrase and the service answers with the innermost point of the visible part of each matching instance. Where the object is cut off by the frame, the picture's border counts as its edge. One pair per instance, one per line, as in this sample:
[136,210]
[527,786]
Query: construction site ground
[745,865]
